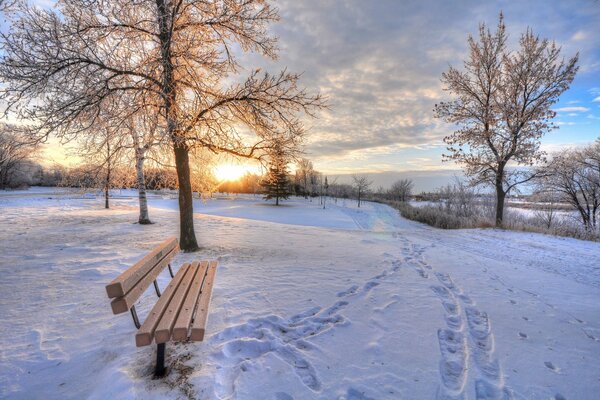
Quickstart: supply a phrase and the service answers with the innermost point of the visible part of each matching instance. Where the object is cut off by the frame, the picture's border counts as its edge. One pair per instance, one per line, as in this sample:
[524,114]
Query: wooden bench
[180,313]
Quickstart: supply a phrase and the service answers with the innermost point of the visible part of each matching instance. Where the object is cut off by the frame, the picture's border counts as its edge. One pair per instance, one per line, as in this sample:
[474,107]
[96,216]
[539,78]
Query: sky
[380,62]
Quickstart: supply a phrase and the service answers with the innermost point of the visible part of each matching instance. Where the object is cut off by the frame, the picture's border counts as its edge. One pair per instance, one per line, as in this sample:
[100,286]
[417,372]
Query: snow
[341,303]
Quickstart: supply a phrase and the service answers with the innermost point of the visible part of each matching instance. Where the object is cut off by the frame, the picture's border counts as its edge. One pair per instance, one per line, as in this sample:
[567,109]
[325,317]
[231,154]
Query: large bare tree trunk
[144,218]
[500,196]
[187,236]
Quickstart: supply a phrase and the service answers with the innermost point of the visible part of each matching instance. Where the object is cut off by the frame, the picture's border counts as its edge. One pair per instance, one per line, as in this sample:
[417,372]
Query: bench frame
[128,287]
[159,369]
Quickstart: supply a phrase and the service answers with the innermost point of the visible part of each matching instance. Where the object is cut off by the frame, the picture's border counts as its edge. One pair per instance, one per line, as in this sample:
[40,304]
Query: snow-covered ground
[342,303]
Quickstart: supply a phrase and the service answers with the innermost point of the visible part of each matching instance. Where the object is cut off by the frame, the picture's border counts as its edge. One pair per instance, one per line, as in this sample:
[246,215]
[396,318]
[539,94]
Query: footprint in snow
[370,285]
[241,345]
[551,366]
[350,291]
[354,394]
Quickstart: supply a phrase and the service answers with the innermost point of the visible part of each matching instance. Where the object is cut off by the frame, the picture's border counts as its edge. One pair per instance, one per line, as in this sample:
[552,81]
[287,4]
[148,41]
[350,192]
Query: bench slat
[128,279]
[145,334]
[123,304]
[201,313]
[184,319]
[163,330]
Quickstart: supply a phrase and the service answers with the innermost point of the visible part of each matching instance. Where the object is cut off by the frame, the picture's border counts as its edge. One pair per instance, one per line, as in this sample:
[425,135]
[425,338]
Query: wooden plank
[163,330]
[145,334]
[201,313]
[123,304]
[128,279]
[184,319]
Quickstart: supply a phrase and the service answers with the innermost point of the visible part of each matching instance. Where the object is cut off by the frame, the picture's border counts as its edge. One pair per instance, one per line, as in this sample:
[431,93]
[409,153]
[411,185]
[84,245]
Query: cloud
[572,109]
[578,36]
[380,64]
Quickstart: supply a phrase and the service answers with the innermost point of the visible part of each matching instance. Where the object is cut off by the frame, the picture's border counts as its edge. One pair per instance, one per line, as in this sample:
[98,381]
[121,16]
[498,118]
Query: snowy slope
[342,303]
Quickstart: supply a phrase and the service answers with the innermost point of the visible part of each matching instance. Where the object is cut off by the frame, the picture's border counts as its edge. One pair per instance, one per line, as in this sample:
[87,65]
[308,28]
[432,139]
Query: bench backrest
[127,288]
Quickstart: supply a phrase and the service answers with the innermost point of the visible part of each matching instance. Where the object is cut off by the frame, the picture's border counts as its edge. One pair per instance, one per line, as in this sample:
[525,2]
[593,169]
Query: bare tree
[304,169]
[401,190]
[502,105]
[203,179]
[62,66]
[5,5]
[361,185]
[104,152]
[575,174]
[15,149]
[314,179]
[144,131]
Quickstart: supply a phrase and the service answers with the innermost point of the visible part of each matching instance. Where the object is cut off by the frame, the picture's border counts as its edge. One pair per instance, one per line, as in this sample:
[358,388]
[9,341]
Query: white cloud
[562,123]
[579,35]
[572,109]
[597,99]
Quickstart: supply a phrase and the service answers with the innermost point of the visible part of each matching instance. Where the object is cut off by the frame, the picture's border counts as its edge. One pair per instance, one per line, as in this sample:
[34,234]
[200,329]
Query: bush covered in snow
[444,216]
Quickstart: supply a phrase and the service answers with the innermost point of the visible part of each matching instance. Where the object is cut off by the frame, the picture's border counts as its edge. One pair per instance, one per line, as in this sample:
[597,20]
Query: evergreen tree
[276,182]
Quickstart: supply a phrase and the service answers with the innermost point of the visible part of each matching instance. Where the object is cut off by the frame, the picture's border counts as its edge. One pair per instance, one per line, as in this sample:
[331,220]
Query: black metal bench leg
[156,288]
[171,271]
[160,369]
[136,320]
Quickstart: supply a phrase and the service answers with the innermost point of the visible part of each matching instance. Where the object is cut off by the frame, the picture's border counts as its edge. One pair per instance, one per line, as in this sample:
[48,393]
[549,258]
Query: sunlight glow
[232,172]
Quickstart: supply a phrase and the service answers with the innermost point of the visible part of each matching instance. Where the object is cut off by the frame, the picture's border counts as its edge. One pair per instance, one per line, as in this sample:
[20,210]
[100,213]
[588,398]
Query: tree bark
[187,236]
[500,196]
[144,218]
[107,183]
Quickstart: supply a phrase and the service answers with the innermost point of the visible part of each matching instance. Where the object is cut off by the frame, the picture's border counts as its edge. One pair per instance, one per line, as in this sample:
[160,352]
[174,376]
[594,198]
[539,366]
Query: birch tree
[61,67]
[144,132]
[502,103]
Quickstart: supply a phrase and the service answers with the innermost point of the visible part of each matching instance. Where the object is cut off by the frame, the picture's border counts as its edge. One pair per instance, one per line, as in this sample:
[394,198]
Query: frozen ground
[342,303]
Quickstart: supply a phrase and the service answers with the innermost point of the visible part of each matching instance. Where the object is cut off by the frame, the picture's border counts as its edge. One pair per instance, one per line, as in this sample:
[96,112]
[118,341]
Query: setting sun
[233,172]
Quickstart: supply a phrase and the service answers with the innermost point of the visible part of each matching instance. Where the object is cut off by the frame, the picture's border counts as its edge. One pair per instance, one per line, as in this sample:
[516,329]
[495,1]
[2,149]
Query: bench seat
[181,312]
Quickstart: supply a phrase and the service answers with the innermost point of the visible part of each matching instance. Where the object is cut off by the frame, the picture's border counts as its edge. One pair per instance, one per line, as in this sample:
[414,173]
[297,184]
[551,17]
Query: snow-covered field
[342,303]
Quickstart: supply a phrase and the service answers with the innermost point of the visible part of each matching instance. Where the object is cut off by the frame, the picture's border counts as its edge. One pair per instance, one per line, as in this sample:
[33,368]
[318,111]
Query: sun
[231,172]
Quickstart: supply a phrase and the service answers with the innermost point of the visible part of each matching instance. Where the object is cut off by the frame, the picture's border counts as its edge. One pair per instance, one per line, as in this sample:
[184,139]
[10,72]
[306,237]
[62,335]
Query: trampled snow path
[343,303]
[466,339]
[243,344]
